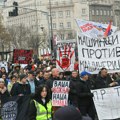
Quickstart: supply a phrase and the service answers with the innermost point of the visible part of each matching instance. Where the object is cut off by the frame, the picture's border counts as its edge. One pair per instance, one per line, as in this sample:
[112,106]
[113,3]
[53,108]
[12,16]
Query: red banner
[22,56]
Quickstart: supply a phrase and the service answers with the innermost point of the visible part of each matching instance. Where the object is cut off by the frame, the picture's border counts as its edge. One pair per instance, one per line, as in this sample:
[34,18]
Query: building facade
[101,11]
[35,14]
[116,9]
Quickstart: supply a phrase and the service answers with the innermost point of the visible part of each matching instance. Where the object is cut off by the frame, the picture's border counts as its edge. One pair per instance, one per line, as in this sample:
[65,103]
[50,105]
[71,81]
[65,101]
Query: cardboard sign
[107,103]
[22,56]
[4,64]
[65,55]
[60,93]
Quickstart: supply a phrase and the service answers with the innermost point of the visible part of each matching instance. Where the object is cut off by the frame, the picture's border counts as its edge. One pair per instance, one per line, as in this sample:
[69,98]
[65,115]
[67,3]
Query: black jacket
[33,110]
[4,96]
[73,94]
[84,94]
[19,88]
[101,82]
[49,83]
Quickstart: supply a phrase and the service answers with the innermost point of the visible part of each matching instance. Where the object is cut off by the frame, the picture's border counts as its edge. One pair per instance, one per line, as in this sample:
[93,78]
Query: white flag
[94,29]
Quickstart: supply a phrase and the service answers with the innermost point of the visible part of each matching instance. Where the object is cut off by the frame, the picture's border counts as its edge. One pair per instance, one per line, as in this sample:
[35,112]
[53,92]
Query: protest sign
[60,93]
[65,55]
[4,64]
[94,29]
[45,52]
[95,54]
[15,108]
[107,103]
[22,56]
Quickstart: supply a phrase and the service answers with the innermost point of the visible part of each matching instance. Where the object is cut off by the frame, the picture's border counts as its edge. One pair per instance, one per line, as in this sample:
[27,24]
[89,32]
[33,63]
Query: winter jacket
[20,89]
[73,94]
[33,110]
[101,82]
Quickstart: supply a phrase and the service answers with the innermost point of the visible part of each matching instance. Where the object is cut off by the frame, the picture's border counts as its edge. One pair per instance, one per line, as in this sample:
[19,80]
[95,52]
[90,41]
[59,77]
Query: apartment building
[63,12]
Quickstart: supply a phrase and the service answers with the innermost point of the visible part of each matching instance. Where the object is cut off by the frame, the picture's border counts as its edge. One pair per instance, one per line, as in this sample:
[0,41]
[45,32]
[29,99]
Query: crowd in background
[36,79]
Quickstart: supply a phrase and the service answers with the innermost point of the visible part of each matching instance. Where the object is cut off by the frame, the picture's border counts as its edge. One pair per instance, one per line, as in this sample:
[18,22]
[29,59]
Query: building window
[67,13]
[62,36]
[93,12]
[61,25]
[111,13]
[83,11]
[97,12]
[53,14]
[54,25]
[70,35]
[105,13]
[60,14]
[101,12]
[68,24]
[108,12]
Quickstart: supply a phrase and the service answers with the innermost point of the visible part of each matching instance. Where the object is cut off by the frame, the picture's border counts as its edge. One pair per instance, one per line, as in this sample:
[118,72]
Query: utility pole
[51,26]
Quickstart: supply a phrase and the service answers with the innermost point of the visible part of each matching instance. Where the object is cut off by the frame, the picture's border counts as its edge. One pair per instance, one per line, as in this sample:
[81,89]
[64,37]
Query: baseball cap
[83,73]
[67,113]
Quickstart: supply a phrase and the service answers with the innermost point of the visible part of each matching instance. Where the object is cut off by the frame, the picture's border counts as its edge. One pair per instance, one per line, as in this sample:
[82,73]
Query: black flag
[16,108]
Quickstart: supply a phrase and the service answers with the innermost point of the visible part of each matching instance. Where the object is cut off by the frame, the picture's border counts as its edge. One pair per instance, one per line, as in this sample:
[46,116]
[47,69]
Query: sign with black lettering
[22,56]
[65,55]
[107,103]
[95,54]
[15,108]
[60,93]
[4,64]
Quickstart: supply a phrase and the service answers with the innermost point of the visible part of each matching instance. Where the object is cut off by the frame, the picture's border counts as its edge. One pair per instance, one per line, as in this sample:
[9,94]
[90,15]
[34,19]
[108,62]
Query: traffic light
[15,10]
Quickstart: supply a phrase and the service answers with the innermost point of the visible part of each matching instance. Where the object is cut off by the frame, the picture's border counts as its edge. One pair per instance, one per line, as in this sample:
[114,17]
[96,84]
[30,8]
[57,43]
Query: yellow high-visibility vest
[42,113]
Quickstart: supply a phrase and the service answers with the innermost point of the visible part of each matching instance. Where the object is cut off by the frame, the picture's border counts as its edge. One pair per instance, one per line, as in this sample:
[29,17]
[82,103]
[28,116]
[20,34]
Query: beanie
[67,113]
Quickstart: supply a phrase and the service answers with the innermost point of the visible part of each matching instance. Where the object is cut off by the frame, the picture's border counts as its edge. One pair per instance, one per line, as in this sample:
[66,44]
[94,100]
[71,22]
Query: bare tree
[4,38]
[37,41]
[24,38]
[19,36]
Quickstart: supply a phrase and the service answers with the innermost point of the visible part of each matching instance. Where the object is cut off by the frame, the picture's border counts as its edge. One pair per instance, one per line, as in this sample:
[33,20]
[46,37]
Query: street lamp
[51,25]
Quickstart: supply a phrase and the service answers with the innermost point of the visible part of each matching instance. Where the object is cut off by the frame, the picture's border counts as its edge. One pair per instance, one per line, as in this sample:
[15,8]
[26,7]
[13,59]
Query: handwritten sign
[107,103]
[95,54]
[60,93]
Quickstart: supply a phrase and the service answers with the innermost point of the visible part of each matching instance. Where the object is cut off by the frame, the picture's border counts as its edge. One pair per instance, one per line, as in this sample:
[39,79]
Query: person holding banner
[85,102]
[104,80]
[74,80]
[55,76]
[41,106]
[4,94]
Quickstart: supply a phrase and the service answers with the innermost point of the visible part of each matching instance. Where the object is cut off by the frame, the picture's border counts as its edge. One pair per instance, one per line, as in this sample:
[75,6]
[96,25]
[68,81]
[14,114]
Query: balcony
[99,2]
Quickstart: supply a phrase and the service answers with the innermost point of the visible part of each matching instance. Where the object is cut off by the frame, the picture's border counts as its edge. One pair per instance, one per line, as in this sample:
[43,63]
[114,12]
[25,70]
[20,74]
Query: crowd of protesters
[36,79]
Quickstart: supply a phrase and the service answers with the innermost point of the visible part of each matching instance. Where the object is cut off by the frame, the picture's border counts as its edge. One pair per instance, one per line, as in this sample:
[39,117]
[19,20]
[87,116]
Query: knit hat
[82,74]
[22,76]
[67,113]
